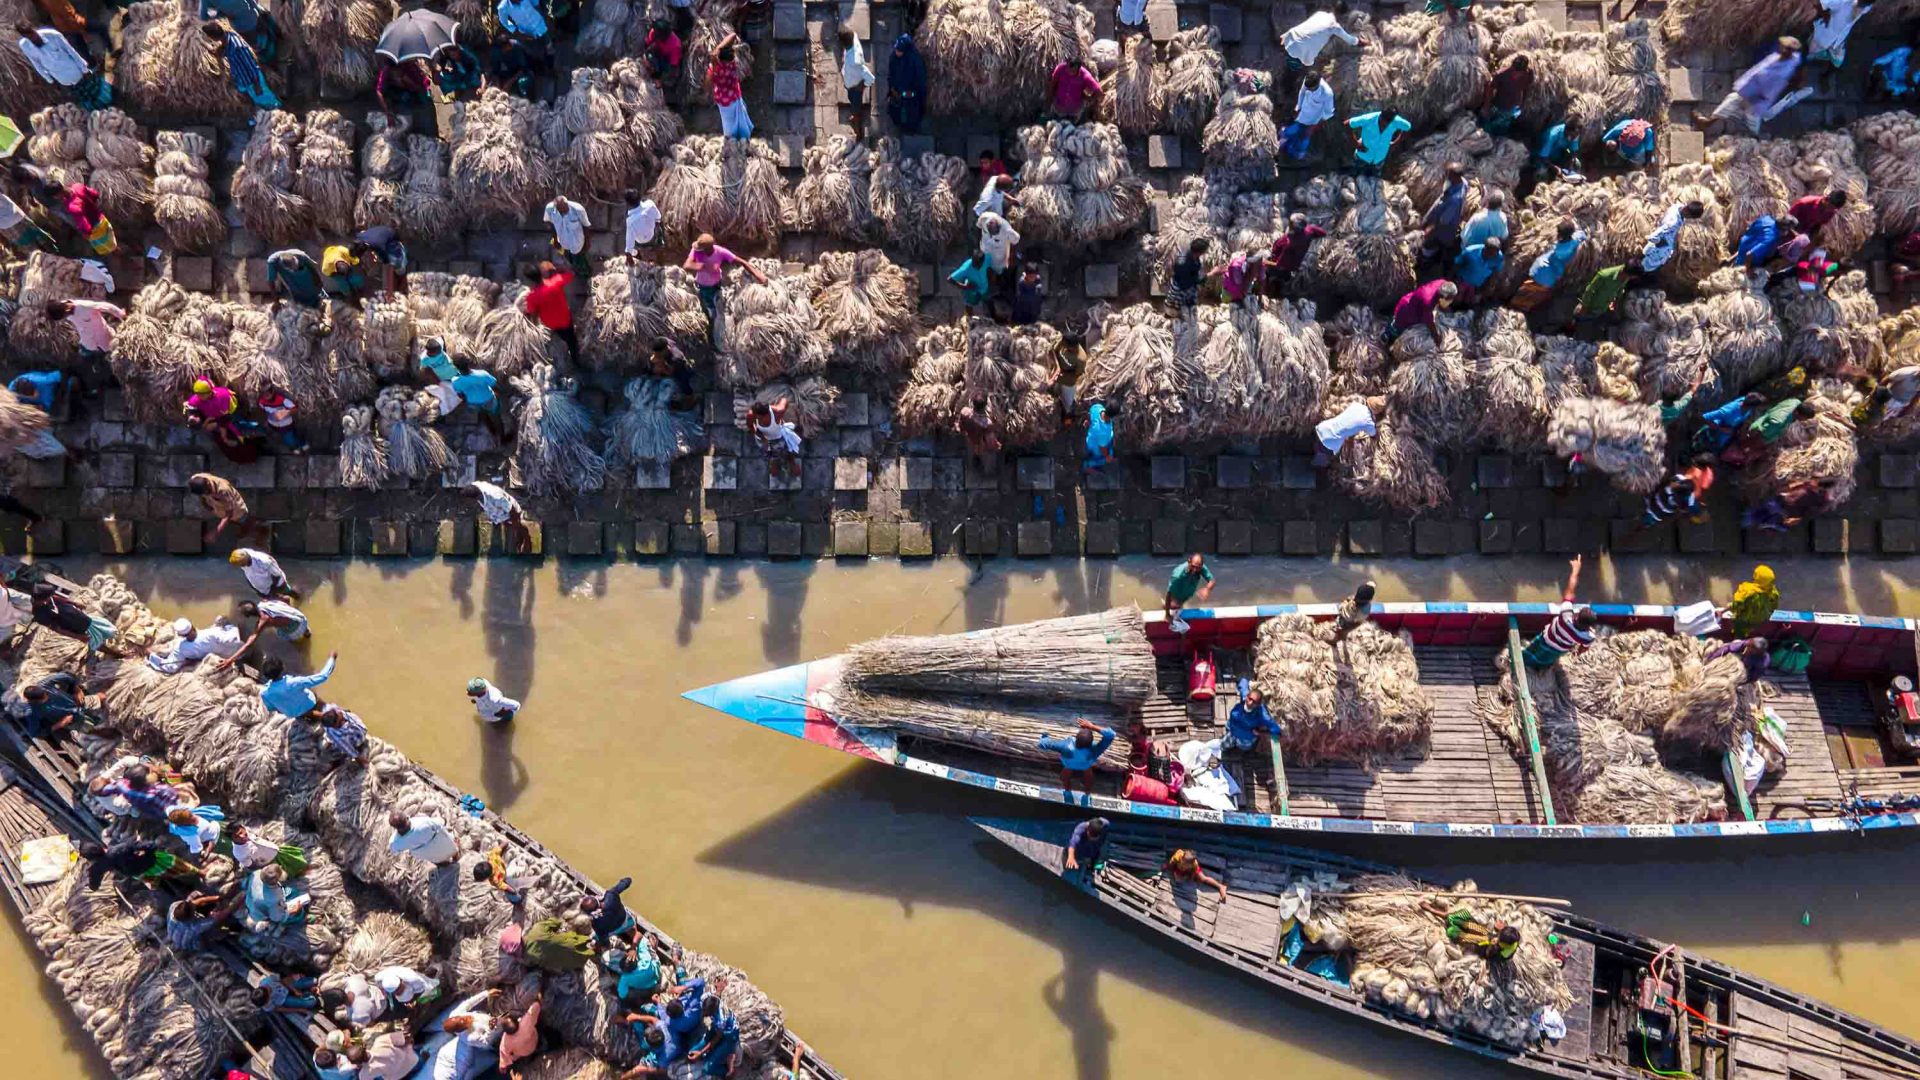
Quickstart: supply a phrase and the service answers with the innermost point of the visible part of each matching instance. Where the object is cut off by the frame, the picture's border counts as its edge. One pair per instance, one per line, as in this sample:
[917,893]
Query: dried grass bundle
[1358,359]
[1748,182]
[510,341]
[812,403]
[1133,367]
[153,365]
[1135,96]
[652,125]
[414,449]
[1253,369]
[34,338]
[601,157]
[20,423]
[1824,162]
[363,453]
[1395,468]
[1491,164]
[336,39]
[1432,383]
[1719,25]
[59,142]
[993,57]
[1369,250]
[1241,139]
[867,306]
[768,331]
[647,430]
[832,195]
[1007,727]
[1455,68]
[1826,330]
[183,200]
[553,450]
[1889,146]
[916,199]
[611,30]
[1190,89]
[1669,342]
[1076,185]
[1385,72]
[1202,207]
[728,187]
[499,171]
[425,206]
[1625,441]
[325,177]
[166,70]
[263,185]
[1101,658]
[631,304]
[1355,700]
[122,166]
[383,172]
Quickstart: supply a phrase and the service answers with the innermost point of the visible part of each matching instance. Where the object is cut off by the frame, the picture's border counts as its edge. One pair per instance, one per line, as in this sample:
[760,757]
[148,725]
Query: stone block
[43,472]
[854,410]
[193,273]
[1685,145]
[1496,537]
[323,536]
[185,537]
[1101,538]
[1686,84]
[720,473]
[1163,151]
[1111,478]
[258,474]
[1233,537]
[584,538]
[850,539]
[1898,536]
[1034,473]
[982,538]
[1103,281]
[914,145]
[1766,542]
[1366,538]
[1696,537]
[1562,536]
[1494,471]
[389,538]
[177,469]
[883,537]
[255,271]
[1226,19]
[116,536]
[456,538]
[652,538]
[916,540]
[790,21]
[927,278]
[1898,470]
[1169,472]
[1170,538]
[323,472]
[1299,538]
[789,87]
[850,474]
[48,536]
[1233,472]
[783,539]
[1033,539]
[718,538]
[687,539]
[654,476]
[1431,537]
[1830,536]
[1298,474]
[916,473]
[982,475]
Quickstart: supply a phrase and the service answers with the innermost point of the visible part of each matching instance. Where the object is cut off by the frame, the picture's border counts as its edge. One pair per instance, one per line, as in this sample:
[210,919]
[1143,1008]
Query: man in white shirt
[493,706]
[997,239]
[1311,108]
[89,321]
[856,75]
[425,838]
[994,196]
[1828,42]
[1304,42]
[405,985]
[53,57]
[1356,421]
[222,639]
[262,572]
[643,227]
[471,1049]
[496,505]
[570,224]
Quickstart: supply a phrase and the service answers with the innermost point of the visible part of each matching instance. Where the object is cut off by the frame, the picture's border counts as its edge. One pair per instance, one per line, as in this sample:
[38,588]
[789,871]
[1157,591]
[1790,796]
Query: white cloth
[447,396]
[1310,35]
[15,608]
[1313,106]
[10,213]
[782,432]
[466,1055]
[280,609]
[403,984]
[492,703]
[495,504]
[642,222]
[854,70]
[262,571]
[89,321]
[1659,249]
[1830,35]
[369,1001]
[222,639]
[570,228]
[1903,384]
[254,854]
[1208,783]
[426,839]
[199,837]
[54,57]
[95,271]
[998,247]
[1132,12]
[1335,430]
[992,200]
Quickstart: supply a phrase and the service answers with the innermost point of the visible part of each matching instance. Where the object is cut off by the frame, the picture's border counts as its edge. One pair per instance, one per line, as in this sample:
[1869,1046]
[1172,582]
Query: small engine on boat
[1657,1023]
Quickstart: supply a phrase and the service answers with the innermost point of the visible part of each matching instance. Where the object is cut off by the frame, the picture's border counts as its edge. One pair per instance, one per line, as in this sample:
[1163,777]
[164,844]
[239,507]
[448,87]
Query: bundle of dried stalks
[166,69]
[1385,71]
[1134,94]
[1252,369]
[1241,139]
[768,331]
[1395,468]
[647,430]
[1358,359]
[263,185]
[182,198]
[425,207]
[59,143]
[20,423]
[916,199]
[1076,185]
[1190,88]
[601,158]
[1716,25]
[1454,68]
[612,29]
[868,308]
[415,449]
[1824,161]
[652,124]
[1102,658]
[122,166]
[383,171]
[993,57]
[1827,329]
[1201,208]
[633,303]
[1492,164]
[1369,250]
[553,450]
[499,170]
[1890,149]
[1133,368]
[511,341]
[336,39]
[812,403]
[1432,385]
[33,337]
[325,177]
[832,195]
[728,187]
[363,453]
[1669,340]
[1749,183]
[1354,700]
[1625,441]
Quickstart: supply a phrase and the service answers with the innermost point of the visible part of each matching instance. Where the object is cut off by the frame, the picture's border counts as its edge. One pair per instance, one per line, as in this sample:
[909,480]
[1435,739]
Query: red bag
[1143,788]
[1201,675]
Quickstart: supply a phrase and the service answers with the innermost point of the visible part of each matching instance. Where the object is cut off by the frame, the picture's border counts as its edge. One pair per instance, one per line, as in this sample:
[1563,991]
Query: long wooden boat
[1739,1028]
[1844,772]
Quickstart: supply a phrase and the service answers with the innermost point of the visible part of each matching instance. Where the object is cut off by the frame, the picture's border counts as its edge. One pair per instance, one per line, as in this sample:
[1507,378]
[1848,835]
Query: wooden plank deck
[1807,708]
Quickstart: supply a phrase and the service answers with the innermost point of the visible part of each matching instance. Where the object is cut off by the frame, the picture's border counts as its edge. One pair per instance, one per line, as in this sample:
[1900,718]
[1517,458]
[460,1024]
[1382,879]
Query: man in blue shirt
[1722,423]
[476,389]
[1547,270]
[1078,754]
[1087,847]
[1248,719]
[1474,267]
[37,387]
[661,1047]
[1762,240]
[720,1047]
[1632,139]
[292,695]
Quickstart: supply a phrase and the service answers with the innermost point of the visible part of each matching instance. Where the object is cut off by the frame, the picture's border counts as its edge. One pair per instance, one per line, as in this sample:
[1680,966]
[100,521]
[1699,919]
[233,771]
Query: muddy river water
[901,942]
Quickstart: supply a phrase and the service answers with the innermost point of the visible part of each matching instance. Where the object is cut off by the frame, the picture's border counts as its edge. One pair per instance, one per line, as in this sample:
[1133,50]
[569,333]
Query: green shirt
[1675,409]
[1186,581]
[1773,423]
[1604,290]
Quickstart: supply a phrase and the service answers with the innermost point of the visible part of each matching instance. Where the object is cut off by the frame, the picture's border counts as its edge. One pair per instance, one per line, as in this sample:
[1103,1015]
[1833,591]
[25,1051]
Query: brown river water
[900,941]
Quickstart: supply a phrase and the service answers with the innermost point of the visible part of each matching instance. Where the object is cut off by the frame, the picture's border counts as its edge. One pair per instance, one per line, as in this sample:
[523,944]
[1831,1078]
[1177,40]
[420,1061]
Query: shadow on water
[783,628]
[507,621]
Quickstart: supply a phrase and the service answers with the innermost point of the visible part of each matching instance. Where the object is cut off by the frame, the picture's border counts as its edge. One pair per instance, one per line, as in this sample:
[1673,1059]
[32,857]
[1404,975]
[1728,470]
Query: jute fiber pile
[647,430]
[916,199]
[612,29]
[1432,384]
[1824,330]
[363,452]
[1822,449]
[452,308]
[1076,187]
[154,364]
[1257,369]
[867,306]
[832,196]
[553,450]
[511,342]
[122,167]
[325,175]
[1824,161]
[1395,468]
[414,448]
[1719,25]
[630,304]
[1625,441]
[601,157]
[1534,230]
[1453,70]
[1356,700]
[263,186]
[20,423]
[1385,72]
[335,38]
[59,143]
[728,187]
[1889,145]
[166,70]
[1750,184]
[1492,164]
[34,338]
[1604,713]
[383,171]
[1402,959]
[425,208]
[182,198]
[1201,208]
[1897,346]
[499,170]
[1668,340]
[1512,386]
[1190,87]
[1701,245]
[813,403]
[1357,358]
[1743,337]
[1133,368]
[1011,368]
[652,125]
[1241,139]
[1133,94]
[993,57]
[1369,250]
[768,331]
[1518,30]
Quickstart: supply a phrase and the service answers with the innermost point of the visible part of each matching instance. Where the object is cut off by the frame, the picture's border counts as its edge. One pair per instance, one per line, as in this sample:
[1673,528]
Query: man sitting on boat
[1248,718]
[272,902]
[1078,755]
[1183,867]
[608,912]
[1491,942]
[1208,783]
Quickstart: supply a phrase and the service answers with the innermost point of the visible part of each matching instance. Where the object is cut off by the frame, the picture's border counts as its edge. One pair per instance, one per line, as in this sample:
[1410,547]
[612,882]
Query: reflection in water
[899,939]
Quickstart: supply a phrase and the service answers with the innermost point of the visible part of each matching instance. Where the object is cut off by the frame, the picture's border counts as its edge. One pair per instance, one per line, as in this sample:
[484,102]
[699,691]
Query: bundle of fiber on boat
[1889,145]
[916,198]
[425,206]
[867,306]
[768,330]
[1669,341]
[1368,252]
[1352,700]
[832,195]
[1431,385]
[1743,337]
[1076,184]
[728,187]
[414,448]
[263,186]
[1134,369]
[35,338]
[647,430]
[1491,164]
[1241,139]
[601,157]
[993,58]
[630,304]
[999,725]
[553,450]
[182,198]
[1826,329]
[1190,87]
[652,124]
[58,144]
[813,403]
[121,166]
[325,176]
[383,171]
[381,939]
[1102,657]
[1133,96]
[1404,960]
[1625,441]
[499,169]
[1395,468]
[166,69]
[336,39]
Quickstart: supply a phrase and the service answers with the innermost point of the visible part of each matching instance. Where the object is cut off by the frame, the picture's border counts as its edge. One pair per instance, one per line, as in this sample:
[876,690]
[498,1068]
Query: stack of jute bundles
[500,171]
[1889,145]
[631,304]
[1354,700]
[1076,185]
[1003,689]
[994,57]
[1135,370]
[867,306]
[916,199]
[166,68]
[1372,235]
[728,187]
[182,198]
[1009,369]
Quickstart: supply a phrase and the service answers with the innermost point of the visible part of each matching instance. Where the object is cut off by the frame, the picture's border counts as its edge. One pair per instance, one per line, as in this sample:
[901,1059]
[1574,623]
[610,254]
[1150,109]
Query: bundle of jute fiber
[993,57]
[325,177]
[1825,162]
[154,365]
[1714,704]
[1190,87]
[499,170]
[1134,95]
[511,341]
[383,171]
[1432,380]
[832,195]
[1133,368]
[59,142]
[1076,185]
[1454,69]
[1636,75]
[601,158]
[1007,726]
[363,453]
[1534,230]
[1251,369]
[1356,356]
[336,39]
[425,206]
[290,358]
[1369,250]
[1384,73]
[647,430]
[264,185]
[1625,441]
[1491,164]
[1821,450]
[1889,145]
[1896,345]
[728,187]
[1742,336]
[1101,657]
[1512,387]
[1403,959]
[1669,340]
[916,199]
[611,29]
[20,423]
[630,304]
[652,125]
[1518,30]
[1241,139]
[122,166]
[1396,468]
[713,22]
[867,306]
[414,449]
[813,403]
[1715,25]
[1355,700]
[380,939]
[1634,206]
[34,338]
[553,449]
[1202,208]
[1829,328]
[182,198]
[931,398]
[1012,369]
[768,330]
[166,69]
[1749,183]
[386,336]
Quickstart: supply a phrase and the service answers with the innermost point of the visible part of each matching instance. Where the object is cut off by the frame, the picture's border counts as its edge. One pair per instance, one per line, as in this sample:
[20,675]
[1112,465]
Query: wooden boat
[1844,772]
[1752,1029]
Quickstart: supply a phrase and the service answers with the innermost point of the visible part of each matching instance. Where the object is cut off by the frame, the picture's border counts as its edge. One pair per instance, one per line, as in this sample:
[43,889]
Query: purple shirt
[1071,85]
[1416,308]
[711,267]
[1764,82]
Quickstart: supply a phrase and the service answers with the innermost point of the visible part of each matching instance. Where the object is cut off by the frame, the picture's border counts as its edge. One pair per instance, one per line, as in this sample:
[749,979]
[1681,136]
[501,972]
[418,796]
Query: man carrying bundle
[1418,308]
[1078,754]
[1571,627]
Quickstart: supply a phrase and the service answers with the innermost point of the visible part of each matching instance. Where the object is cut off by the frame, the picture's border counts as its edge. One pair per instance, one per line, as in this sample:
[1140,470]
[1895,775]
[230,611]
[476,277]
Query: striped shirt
[1562,633]
[1671,500]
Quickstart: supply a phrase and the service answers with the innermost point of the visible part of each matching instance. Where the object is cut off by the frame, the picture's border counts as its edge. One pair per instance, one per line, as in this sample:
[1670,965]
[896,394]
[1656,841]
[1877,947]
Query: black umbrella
[416,35]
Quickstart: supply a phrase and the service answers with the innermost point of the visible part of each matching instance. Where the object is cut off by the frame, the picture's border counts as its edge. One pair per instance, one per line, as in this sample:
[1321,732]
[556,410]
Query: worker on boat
[660,1047]
[1491,942]
[1183,866]
[556,945]
[272,902]
[519,1035]
[1078,754]
[609,913]
[1572,627]
[1354,610]
[1753,604]
[471,1051]
[53,705]
[1191,580]
[635,969]
[511,879]
[1247,719]
[139,859]
[198,921]
[1087,847]
[403,986]
[292,695]
[719,1049]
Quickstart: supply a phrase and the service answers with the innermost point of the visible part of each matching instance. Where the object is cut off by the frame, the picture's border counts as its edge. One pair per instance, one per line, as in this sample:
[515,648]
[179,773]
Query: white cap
[183,627]
[388,981]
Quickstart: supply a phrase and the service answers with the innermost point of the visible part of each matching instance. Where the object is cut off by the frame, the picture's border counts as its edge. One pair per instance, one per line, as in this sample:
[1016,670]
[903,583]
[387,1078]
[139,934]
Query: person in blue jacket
[1761,240]
[1724,422]
[1248,719]
[1078,754]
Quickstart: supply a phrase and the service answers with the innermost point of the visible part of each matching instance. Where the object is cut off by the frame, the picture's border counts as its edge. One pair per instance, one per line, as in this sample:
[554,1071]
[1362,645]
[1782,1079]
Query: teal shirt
[1375,140]
[476,388]
[1675,409]
[1186,581]
[441,365]
[972,280]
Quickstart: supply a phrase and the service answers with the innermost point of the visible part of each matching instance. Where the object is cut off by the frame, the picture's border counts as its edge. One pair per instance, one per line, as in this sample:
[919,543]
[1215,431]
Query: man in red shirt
[1290,252]
[546,303]
[1814,211]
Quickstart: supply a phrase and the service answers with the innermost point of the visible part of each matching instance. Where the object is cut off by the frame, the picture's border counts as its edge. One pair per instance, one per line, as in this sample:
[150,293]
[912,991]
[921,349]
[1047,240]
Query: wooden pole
[1544,901]
[1803,1048]
[1523,697]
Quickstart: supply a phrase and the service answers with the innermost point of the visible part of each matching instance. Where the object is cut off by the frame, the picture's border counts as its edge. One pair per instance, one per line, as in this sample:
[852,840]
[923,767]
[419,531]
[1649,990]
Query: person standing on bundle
[54,59]
[1441,239]
[424,837]
[220,498]
[1311,108]
[231,50]
[708,263]
[1570,628]
[570,225]
[263,573]
[1475,266]
[1072,90]
[492,706]
[546,304]
[907,86]
[1547,270]
[1757,91]
[1506,96]
[1419,307]
[777,437]
[1813,212]
[857,77]
[723,77]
